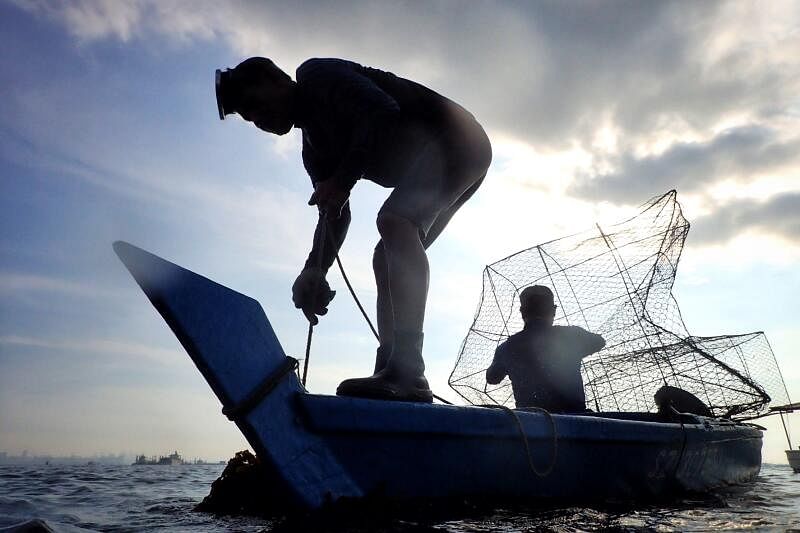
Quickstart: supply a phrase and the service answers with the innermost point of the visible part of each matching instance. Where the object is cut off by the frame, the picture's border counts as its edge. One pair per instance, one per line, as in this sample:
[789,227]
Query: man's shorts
[441,174]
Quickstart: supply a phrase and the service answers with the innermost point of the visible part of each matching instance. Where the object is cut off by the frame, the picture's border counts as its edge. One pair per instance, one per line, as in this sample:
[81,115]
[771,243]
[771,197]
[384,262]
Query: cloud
[741,153]
[654,96]
[26,282]
[11,283]
[779,215]
[99,346]
[100,19]
[122,157]
[547,72]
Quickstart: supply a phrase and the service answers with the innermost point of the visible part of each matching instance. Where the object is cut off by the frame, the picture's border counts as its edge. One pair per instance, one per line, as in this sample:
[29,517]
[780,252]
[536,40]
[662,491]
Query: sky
[109,130]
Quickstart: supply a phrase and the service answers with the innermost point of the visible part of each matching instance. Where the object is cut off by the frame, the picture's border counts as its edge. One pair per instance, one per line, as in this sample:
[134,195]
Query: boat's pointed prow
[226,333]
[229,338]
[152,273]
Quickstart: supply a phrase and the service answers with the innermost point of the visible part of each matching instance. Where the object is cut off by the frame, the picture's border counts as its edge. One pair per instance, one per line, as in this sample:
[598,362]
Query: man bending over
[359,122]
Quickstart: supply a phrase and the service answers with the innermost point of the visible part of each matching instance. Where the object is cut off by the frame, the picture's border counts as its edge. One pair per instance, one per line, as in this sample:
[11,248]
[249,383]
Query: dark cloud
[547,72]
[779,215]
[552,74]
[737,153]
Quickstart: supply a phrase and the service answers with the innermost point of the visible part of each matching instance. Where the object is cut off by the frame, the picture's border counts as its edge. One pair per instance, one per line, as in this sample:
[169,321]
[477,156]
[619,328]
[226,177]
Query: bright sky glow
[109,130]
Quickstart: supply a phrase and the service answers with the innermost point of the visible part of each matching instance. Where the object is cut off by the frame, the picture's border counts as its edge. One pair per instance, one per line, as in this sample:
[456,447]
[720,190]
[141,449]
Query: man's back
[543,363]
[338,80]
[366,118]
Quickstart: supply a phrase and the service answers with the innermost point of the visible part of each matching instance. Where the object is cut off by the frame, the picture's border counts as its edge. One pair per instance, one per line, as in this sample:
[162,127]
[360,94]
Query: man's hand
[312,294]
[330,197]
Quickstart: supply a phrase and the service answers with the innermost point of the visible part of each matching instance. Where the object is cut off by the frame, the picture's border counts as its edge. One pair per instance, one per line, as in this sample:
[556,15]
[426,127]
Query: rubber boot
[403,378]
[382,357]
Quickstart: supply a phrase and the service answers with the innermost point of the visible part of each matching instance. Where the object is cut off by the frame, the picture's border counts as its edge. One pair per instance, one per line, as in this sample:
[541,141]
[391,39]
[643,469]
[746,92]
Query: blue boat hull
[319,449]
[408,450]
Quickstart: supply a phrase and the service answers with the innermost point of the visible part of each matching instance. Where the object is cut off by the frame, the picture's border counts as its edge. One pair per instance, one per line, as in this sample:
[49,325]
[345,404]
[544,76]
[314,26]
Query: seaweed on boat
[617,281]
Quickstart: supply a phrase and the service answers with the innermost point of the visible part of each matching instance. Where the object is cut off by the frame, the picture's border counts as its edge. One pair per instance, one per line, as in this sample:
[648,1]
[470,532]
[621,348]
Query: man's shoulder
[516,337]
[571,334]
[506,344]
[513,340]
[322,66]
[569,330]
[581,339]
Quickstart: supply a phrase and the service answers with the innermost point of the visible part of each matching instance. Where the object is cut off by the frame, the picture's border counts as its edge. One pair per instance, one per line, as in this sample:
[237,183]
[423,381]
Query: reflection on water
[124,498]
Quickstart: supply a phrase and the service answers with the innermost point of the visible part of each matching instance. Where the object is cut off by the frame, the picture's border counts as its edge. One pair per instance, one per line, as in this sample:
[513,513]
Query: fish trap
[617,281]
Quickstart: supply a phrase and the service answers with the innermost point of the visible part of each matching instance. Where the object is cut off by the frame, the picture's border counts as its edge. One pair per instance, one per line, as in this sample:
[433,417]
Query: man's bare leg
[444,217]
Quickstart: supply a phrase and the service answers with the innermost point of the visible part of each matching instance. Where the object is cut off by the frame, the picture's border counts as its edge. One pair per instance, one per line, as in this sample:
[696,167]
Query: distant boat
[143,460]
[320,449]
[171,459]
[792,455]
[794,459]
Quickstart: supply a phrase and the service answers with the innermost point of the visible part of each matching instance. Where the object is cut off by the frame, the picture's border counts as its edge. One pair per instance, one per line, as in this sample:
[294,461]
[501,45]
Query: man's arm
[310,291]
[329,195]
[497,370]
[317,168]
[334,234]
[586,342]
[594,342]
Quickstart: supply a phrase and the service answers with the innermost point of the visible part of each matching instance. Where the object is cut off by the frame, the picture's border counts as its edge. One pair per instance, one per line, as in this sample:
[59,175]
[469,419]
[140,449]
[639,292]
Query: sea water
[162,498]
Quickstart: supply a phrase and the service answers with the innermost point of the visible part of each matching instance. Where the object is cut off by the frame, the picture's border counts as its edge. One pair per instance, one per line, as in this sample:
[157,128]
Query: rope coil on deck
[261,391]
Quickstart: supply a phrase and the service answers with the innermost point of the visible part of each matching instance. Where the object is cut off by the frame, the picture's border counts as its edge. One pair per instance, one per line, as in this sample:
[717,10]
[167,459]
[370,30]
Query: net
[617,281]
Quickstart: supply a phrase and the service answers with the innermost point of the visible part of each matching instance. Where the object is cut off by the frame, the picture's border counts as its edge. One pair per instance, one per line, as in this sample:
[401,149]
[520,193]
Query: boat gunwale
[326,414]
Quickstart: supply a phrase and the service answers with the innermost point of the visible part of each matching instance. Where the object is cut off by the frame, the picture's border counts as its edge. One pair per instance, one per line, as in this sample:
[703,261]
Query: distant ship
[171,459]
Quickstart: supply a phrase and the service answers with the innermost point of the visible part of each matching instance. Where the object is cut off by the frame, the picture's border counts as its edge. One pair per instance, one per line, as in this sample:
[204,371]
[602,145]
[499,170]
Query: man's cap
[537,301]
[229,83]
[223,92]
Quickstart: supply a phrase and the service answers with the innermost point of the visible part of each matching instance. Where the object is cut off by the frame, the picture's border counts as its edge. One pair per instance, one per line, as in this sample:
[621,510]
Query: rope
[683,441]
[353,294]
[785,430]
[322,231]
[546,472]
[308,352]
[261,391]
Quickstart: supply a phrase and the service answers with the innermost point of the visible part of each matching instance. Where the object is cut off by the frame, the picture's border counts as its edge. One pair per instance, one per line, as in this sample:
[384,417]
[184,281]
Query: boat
[320,449]
[172,459]
[144,460]
[792,454]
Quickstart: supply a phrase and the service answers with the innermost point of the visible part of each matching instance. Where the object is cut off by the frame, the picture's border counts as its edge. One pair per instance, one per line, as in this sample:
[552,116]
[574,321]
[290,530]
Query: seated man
[543,361]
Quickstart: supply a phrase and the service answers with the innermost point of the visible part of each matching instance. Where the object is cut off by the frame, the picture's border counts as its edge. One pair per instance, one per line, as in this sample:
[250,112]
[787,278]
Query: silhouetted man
[543,361]
[360,122]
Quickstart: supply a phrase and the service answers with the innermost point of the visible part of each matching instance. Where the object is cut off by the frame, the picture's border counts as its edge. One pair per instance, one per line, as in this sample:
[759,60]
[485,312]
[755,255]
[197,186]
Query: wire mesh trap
[617,281]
